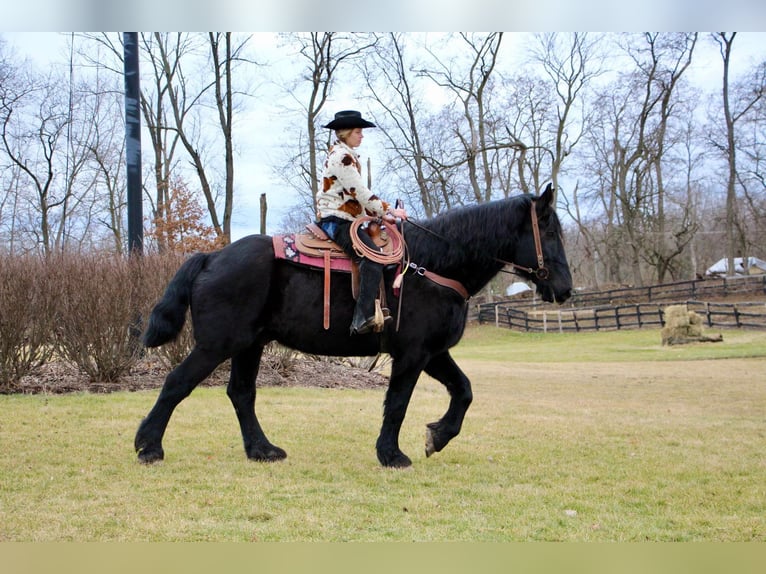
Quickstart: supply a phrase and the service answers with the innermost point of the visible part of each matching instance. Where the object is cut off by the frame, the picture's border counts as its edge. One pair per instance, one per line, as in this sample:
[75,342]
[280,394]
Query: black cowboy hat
[349,119]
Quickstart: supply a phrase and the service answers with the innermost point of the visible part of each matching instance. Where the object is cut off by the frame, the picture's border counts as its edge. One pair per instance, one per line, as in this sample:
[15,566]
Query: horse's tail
[169,314]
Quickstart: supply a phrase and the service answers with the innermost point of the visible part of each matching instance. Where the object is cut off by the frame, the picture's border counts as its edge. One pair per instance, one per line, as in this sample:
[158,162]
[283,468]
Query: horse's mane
[472,233]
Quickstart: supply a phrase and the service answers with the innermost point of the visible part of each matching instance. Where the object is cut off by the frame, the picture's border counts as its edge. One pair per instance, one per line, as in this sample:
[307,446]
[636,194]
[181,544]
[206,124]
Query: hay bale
[694,329]
[676,316]
[683,326]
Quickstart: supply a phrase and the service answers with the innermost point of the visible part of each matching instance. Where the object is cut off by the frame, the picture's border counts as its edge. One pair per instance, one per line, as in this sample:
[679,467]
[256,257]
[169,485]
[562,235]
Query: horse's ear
[546,199]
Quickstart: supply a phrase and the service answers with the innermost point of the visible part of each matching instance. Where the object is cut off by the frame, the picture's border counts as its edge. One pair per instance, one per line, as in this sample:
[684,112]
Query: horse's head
[540,253]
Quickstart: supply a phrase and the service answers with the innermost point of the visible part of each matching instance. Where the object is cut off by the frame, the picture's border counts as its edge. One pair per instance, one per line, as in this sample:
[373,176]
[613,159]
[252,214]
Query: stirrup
[374,324]
[367,327]
[382,316]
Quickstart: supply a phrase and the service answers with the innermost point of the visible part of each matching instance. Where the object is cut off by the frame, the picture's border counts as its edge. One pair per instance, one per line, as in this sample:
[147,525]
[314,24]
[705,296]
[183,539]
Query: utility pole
[133,144]
[133,163]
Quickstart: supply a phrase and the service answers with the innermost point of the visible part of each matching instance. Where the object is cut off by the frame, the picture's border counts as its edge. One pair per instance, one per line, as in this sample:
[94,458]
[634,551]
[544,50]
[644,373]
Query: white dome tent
[743,266]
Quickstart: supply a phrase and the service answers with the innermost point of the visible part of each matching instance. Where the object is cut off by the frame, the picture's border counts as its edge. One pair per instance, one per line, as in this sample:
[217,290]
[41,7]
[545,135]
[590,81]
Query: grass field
[589,437]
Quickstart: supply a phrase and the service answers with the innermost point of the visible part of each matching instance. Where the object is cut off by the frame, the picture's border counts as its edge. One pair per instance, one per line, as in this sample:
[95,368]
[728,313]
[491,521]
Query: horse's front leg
[241,392]
[398,396]
[443,369]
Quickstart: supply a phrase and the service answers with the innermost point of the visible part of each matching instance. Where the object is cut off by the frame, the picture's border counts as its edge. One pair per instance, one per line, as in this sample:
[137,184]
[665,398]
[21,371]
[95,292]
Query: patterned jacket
[343,192]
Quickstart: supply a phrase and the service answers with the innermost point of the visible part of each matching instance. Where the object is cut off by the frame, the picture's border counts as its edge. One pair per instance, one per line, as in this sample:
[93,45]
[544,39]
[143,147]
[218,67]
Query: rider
[343,198]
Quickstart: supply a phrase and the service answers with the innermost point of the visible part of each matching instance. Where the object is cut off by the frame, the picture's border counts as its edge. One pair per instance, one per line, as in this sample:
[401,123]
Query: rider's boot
[370,274]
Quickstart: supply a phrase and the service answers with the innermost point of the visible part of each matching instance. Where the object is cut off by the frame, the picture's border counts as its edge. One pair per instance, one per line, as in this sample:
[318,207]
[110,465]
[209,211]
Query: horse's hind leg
[241,392]
[443,369]
[179,383]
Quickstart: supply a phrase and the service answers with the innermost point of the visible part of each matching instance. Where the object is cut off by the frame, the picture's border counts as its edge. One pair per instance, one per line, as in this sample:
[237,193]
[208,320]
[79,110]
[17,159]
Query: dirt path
[56,378]
[703,371]
[59,377]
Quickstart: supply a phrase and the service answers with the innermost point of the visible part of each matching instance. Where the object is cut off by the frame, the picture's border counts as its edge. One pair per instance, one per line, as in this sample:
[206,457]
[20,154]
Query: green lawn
[496,344]
[591,437]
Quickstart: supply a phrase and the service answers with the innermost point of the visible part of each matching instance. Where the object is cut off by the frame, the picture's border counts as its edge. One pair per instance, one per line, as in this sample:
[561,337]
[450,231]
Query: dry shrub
[379,364]
[87,309]
[280,359]
[376,364]
[26,318]
[99,304]
[179,226]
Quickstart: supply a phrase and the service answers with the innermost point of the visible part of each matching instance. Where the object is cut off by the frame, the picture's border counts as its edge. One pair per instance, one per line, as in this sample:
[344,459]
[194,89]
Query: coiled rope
[364,250]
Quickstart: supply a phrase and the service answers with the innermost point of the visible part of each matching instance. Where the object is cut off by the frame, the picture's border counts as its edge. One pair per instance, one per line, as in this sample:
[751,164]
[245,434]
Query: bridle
[541,272]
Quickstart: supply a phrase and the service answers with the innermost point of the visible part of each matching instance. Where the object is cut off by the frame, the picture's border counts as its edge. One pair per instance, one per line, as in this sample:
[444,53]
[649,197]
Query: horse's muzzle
[563,296]
[550,294]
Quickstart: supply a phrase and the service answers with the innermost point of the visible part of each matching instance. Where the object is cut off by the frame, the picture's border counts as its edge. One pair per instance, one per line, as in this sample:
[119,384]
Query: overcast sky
[253,167]
[398,15]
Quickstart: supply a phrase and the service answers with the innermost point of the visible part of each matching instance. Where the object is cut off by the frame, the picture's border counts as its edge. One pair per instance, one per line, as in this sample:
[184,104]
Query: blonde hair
[343,133]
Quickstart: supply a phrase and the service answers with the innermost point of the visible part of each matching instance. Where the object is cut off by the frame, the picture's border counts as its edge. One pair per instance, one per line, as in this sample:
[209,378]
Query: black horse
[242,298]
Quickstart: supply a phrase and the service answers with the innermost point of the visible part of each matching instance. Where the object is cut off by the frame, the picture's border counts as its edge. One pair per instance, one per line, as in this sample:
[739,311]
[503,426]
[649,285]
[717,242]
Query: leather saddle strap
[326,321]
[446,282]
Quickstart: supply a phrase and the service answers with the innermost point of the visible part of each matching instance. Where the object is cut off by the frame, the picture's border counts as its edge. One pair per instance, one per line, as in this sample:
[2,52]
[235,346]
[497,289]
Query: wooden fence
[697,290]
[630,316]
[634,308]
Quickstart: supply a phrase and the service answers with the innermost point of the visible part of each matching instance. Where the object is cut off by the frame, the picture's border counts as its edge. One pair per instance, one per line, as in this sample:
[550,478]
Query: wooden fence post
[264,209]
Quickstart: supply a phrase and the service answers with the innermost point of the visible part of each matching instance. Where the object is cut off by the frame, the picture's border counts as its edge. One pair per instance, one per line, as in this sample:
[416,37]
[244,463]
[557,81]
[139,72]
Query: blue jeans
[329,225]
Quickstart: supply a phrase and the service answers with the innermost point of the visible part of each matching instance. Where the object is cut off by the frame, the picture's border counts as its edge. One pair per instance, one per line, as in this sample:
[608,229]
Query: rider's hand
[396,213]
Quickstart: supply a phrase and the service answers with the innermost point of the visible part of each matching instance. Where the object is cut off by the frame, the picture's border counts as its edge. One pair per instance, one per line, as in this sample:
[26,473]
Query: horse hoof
[272,454]
[399,460]
[150,456]
[430,446]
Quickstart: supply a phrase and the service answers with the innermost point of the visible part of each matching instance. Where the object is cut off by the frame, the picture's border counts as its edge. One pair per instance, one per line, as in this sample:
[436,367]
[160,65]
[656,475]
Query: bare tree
[33,134]
[526,161]
[55,135]
[645,109]
[223,58]
[164,141]
[107,154]
[752,158]
[471,86]
[571,62]
[638,121]
[415,136]
[190,73]
[9,172]
[690,203]
[184,93]
[594,199]
[675,52]
[734,114]
[725,43]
